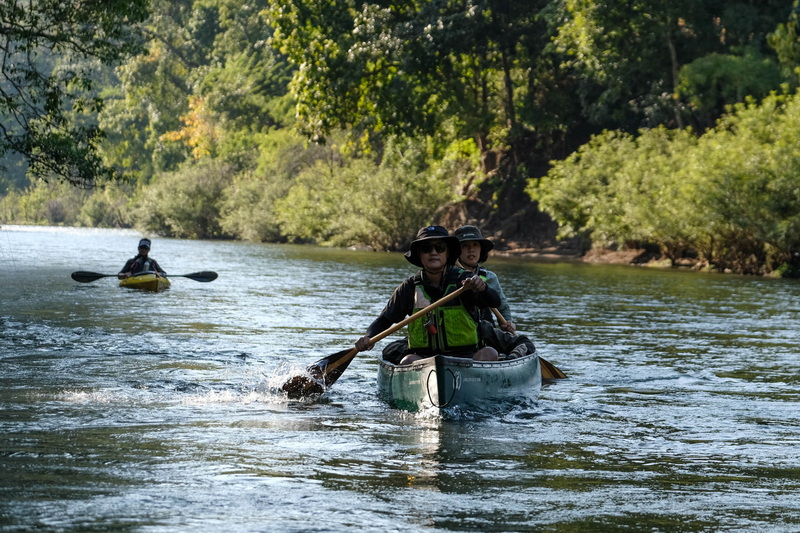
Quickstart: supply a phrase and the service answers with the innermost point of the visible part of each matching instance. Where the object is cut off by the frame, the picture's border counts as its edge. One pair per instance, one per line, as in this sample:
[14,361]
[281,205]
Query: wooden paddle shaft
[549,370]
[499,316]
[347,357]
[418,314]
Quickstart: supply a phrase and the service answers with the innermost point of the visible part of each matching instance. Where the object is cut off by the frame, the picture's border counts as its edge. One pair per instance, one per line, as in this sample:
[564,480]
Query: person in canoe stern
[475,251]
[450,329]
[142,263]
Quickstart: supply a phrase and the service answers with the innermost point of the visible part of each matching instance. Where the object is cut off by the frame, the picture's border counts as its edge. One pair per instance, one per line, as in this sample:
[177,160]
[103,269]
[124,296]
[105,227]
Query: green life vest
[447,329]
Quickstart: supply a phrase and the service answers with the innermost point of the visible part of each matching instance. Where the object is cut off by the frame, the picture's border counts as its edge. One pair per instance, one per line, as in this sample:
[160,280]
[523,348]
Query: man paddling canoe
[450,329]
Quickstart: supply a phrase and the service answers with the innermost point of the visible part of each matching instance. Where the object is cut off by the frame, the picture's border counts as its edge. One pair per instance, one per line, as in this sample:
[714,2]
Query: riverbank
[630,257]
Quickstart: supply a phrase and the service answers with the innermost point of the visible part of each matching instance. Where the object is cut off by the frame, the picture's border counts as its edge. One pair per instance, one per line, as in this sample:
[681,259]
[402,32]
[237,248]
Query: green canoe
[446,382]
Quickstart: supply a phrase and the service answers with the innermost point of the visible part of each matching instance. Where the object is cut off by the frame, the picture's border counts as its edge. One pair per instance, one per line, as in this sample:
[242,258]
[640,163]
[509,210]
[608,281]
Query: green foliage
[53,204]
[185,203]
[50,54]
[247,209]
[156,87]
[13,170]
[713,82]
[627,55]
[754,183]
[247,87]
[206,87]
[576,192]
[357,202]
[10,208]
[433,68]
[732,195]
[786,43]
[108,207]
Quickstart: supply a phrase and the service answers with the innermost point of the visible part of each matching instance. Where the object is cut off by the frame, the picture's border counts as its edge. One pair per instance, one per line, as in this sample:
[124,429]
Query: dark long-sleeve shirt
[136,265]
[401,303]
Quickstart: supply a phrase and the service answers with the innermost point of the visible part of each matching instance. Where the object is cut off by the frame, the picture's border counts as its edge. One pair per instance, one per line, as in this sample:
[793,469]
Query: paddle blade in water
[550,371]
[302,387]
[333,366]
[321,375]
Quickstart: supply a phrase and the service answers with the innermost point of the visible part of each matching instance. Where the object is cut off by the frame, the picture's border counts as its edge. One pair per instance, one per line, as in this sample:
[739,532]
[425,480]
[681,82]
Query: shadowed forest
[669,127]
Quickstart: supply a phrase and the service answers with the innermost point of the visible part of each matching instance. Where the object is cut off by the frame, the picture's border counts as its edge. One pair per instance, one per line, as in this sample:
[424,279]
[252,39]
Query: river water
[141,412]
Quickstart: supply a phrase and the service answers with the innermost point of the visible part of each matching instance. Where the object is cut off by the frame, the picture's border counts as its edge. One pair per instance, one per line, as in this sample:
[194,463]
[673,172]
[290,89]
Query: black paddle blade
[86,277]
[302,386]
[333,366]
[203,277]
[321,375]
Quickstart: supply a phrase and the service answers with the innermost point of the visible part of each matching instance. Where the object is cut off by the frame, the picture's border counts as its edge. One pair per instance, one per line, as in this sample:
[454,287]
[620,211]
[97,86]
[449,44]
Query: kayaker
[450,329]
[141,263]
[475,250]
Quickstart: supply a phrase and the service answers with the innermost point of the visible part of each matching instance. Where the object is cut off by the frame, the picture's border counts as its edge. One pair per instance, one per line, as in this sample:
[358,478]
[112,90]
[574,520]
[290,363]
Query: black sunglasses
[428,247]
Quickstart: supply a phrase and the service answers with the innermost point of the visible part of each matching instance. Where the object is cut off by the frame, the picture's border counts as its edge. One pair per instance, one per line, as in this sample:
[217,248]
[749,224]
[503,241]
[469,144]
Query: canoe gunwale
[463,362]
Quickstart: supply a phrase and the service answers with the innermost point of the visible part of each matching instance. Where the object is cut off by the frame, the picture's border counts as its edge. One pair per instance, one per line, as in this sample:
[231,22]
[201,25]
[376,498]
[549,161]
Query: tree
[50,52]
[711,83]
[208,86]
[345,202]
[156,86]
[449,70]
[732,195]
[786,43]
[629,54]
[185,203]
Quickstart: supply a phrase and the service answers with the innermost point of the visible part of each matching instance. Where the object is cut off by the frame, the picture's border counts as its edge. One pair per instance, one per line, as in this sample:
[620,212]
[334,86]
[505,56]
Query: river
[123,411]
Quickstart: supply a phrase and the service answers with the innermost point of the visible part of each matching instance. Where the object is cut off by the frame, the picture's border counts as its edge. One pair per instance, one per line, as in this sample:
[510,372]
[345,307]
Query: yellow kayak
[147,282]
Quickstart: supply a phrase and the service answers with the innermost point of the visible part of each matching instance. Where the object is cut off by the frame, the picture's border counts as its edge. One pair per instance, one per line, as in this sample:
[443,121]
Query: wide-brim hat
[472,233]
[429,233]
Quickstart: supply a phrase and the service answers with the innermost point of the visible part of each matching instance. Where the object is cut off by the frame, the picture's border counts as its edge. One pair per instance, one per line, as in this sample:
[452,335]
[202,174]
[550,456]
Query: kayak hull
[145,282]
[445,382]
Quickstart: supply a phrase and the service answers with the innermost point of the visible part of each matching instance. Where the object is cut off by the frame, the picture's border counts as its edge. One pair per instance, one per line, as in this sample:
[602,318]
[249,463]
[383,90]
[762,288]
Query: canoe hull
[445,382]
[145,282]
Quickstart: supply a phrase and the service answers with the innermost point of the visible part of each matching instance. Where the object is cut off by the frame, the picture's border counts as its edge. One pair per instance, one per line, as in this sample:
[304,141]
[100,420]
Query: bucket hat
[472,233]
[433,232]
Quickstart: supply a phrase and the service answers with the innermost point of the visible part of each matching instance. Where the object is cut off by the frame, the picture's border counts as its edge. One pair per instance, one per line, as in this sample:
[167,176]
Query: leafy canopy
[49,56]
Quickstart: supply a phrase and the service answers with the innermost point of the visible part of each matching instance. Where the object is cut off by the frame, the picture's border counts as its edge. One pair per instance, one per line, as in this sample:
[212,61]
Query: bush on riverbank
[731,195]
[185,203]
[44,204]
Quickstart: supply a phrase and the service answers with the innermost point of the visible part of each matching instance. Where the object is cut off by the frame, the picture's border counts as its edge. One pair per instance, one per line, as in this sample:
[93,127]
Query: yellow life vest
[449,328]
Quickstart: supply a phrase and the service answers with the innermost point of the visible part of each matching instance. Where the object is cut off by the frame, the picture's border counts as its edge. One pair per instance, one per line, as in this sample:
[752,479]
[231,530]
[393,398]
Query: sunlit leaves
[208,85]
[453,69]
[198,131]
[50,52]
[786,43]
[731,195]
[185,203]
[357,201]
